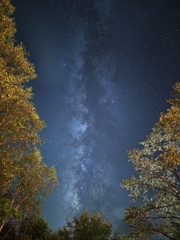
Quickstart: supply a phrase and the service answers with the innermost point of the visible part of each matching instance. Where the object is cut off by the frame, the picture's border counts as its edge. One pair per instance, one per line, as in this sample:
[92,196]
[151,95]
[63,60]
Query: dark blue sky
[105,70]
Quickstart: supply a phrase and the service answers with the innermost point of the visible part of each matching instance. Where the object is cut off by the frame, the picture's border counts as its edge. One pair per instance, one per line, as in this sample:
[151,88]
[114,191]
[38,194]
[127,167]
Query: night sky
[105,70]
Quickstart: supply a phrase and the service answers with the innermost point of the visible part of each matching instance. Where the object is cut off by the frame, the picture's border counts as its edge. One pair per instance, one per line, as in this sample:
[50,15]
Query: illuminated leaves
[25,180]
[170,121]
[19,122]
[158,183]
[32,182]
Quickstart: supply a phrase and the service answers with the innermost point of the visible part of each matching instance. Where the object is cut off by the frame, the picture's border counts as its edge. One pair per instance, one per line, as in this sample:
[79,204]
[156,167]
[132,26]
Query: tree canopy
[94,227]
[157,184]
[24,178]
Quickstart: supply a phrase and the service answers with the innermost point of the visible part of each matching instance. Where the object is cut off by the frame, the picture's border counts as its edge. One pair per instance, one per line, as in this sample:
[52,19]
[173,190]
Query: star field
[105,70]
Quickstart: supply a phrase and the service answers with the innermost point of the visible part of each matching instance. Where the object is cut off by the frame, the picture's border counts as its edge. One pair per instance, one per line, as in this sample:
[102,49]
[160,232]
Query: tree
[157,184]
[24,178]
[31,228]
[33,181]
[19,121]
[94,227]
[170,120]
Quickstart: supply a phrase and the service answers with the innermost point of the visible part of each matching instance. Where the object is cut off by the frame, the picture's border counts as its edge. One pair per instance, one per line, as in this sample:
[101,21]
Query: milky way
[105,70]
[92,107]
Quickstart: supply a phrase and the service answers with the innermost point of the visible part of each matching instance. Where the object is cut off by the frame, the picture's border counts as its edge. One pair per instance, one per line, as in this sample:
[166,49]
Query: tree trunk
[2,225]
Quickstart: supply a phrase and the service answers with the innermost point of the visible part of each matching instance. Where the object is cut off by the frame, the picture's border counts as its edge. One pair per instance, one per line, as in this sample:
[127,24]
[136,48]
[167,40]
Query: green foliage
[25,180]
[158,181]
[8,232]
[30,229]
[94,227]
[177,230]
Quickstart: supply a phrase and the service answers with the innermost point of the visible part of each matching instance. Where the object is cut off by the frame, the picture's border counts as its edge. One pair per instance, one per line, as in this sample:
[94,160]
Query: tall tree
[94,227]
[157,184]
[24,178]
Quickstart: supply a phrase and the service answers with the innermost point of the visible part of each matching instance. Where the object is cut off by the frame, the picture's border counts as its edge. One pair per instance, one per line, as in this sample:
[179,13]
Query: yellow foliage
[24,178]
